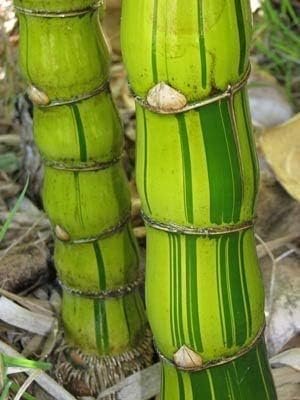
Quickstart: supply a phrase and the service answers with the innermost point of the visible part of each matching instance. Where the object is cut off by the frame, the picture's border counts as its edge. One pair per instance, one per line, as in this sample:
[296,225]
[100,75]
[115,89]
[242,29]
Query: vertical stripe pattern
[187,168]
[242,35]
[101,328]
[200,6]
[246,378]
[80,133]
[230,164]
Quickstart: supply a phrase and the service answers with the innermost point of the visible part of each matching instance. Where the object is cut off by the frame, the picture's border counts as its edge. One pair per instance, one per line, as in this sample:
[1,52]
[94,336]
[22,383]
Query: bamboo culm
[65,60]
[197,175]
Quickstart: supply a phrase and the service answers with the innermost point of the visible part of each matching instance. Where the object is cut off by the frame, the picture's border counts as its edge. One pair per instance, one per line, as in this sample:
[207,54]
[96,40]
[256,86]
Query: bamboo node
[175,228]
[102,235]
[156,98]
[61,234]
[59,14]
[163,97]
[187,358]
[117,292]
[38,97]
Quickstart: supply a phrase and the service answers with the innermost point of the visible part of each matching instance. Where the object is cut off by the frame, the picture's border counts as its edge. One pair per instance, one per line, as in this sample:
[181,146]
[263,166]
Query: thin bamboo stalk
[197,176]
[65,60]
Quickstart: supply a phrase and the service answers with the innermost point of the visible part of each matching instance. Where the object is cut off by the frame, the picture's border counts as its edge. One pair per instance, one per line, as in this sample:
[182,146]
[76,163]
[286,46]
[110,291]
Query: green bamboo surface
[198,169]
[55,5]
[185,43]
[63,57]
[245,378]
[88,123]
[212,291]
[215,180]
[85,191]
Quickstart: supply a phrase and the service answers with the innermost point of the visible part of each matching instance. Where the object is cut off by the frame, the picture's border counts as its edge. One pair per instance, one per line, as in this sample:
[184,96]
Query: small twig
[31,378]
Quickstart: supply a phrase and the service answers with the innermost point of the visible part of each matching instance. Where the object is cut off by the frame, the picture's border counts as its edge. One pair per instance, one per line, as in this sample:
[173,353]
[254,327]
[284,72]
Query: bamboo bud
[61,234]
[163,97]
[38,97]
[187,359]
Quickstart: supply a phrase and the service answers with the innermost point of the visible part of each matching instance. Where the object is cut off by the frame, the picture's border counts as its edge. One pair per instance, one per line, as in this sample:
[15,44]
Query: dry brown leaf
[281,146]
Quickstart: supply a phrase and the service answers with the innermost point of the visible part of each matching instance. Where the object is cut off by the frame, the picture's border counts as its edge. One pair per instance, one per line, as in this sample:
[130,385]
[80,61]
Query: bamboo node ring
[209,364]
[81,167]
[58,14]
[169,101]
[34,95]
[105,294]
[187,358]
[103,235]
[190,230]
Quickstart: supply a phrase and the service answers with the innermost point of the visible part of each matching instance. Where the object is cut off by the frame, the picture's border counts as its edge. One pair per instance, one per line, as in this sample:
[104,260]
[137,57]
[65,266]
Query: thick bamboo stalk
[197,175]
[65,59]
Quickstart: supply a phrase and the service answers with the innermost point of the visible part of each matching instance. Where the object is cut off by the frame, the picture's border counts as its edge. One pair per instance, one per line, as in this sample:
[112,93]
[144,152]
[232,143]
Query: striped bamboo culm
[65,60]
[197,175]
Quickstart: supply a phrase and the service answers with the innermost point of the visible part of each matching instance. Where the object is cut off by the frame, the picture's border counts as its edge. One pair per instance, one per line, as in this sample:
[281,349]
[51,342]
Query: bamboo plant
[65,60]
[197,176]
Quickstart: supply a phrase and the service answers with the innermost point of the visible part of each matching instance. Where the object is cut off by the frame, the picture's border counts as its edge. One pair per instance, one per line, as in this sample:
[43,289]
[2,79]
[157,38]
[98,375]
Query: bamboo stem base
[88,375]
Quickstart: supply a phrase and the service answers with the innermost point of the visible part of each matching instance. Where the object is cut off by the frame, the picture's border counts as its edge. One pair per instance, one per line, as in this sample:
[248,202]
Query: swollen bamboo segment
[197,176]
[65,60]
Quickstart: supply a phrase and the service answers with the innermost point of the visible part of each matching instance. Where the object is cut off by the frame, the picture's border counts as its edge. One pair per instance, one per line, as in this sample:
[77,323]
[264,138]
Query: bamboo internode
[65,60]
[197,175]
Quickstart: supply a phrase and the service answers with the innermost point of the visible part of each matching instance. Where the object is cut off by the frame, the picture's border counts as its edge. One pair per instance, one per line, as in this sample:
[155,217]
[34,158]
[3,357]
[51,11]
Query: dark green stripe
[236,289]
[181,390]
[180,304]
[127,314]
[139,307]
[100,266]
[244,282]
[236,141]
[218,164]
[225,293]
[233,152]
[242,35]
[80,133]
[173,287]
[187,168]
[78,197]
[251,143]
[219,283]
[146,161]
[154,40]
[231,395]
[235,381]
[101,329]
[192,293]
[133,244]
[200,386]
[202,43]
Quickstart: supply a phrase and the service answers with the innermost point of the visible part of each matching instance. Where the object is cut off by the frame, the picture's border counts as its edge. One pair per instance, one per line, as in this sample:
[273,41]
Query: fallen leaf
[281,147]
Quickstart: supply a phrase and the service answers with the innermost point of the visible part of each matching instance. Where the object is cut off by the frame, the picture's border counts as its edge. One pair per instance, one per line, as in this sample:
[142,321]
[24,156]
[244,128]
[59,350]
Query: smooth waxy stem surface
[197,175]
[64,58]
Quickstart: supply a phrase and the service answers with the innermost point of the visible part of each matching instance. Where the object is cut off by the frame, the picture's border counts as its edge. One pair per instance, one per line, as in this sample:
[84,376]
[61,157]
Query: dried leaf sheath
[64,57]
[197,175]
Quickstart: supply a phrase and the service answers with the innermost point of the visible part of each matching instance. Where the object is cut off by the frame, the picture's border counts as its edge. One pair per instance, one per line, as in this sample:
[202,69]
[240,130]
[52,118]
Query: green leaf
[5,392]
[25,396]
[13,212]
[23,362]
